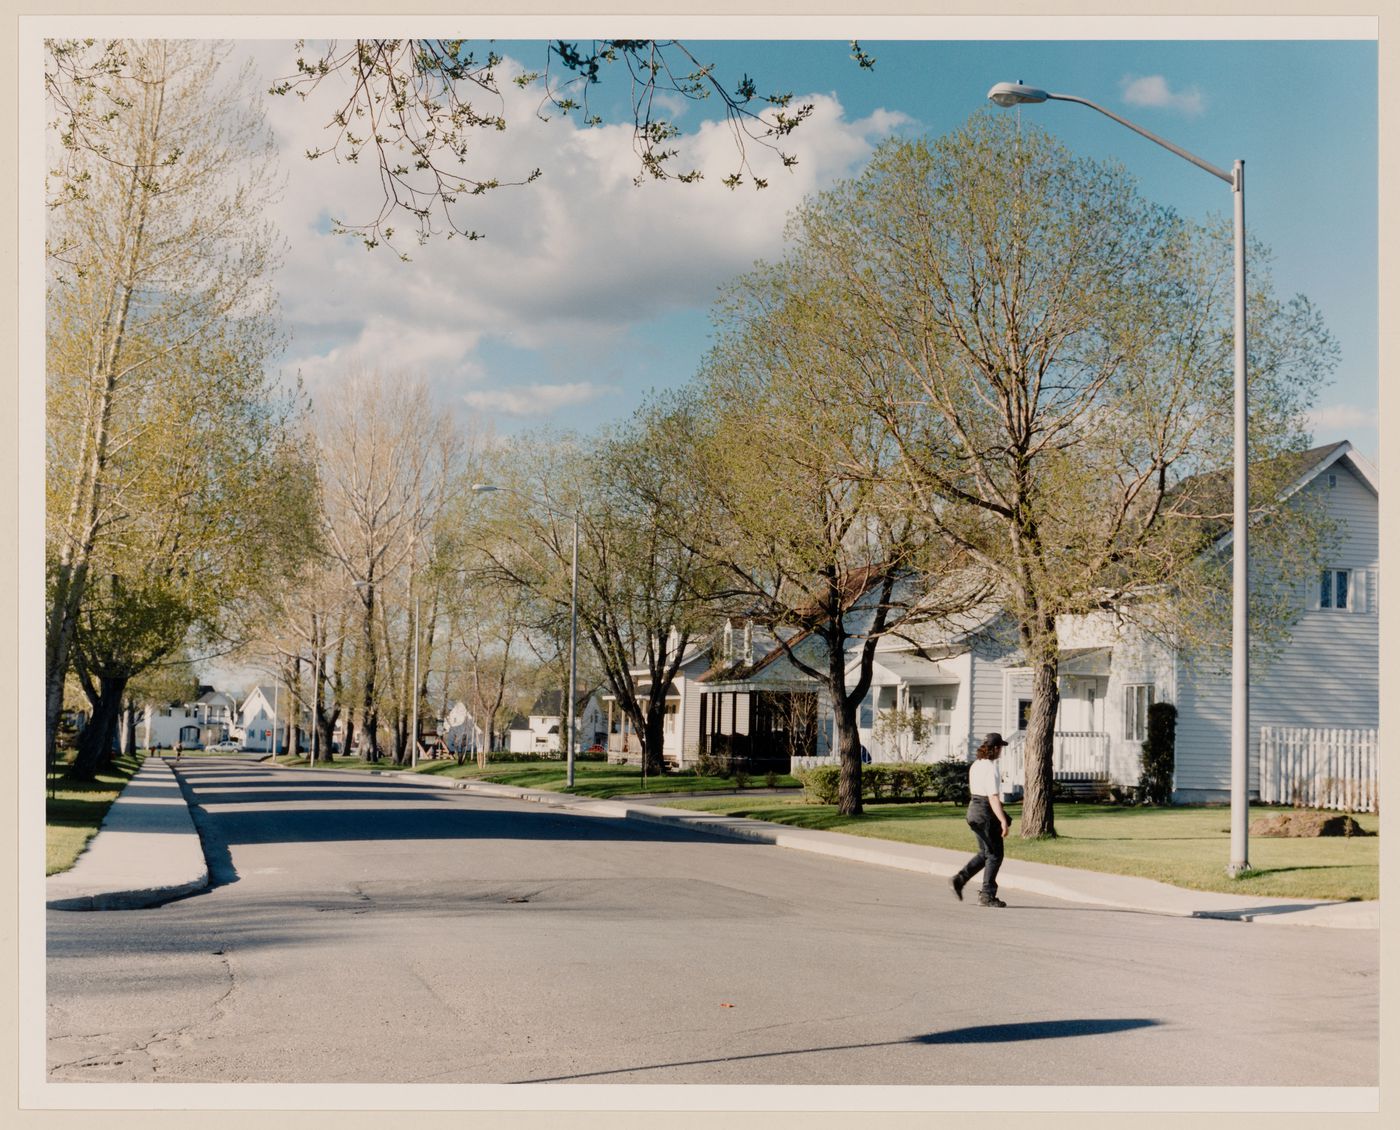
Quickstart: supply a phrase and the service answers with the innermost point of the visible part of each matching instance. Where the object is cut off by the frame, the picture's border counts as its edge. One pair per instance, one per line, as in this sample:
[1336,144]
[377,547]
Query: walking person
[988,820]
[178,750]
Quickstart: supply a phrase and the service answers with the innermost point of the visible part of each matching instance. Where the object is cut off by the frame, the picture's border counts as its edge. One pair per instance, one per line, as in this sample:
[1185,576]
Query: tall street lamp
[1017,94]
[486,488]
[413,736]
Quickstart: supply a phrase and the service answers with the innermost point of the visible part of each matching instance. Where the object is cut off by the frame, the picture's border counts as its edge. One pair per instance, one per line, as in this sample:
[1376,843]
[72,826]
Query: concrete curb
[146,852]
[1118,892]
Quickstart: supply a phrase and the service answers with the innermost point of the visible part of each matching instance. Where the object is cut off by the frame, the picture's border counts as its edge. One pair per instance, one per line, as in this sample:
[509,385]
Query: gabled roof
[1296,469]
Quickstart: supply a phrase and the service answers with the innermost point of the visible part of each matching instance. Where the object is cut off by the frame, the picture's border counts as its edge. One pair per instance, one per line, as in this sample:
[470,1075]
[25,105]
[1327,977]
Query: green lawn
[1186,846]
[74,810]
[591,778]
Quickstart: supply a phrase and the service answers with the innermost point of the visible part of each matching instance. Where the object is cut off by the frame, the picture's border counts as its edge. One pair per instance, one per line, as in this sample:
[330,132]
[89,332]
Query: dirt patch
[1299,824]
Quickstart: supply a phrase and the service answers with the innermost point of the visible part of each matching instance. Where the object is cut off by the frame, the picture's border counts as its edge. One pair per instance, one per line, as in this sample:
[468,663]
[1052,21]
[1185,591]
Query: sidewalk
[146,852]
[135,861]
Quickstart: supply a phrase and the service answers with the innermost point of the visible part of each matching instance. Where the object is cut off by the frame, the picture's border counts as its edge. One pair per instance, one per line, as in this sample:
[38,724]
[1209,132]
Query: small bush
[712,764]
[820,785]
[874,781]
[770,779]
[1159,754]
[948,781]
[741,778]
[920,781]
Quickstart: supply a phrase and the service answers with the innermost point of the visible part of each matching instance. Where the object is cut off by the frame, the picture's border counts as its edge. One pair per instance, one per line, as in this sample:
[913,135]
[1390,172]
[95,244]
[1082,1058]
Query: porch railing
[1079,755]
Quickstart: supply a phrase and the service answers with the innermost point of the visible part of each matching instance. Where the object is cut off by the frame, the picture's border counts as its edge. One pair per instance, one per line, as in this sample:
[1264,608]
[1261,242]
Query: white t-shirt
[984,778]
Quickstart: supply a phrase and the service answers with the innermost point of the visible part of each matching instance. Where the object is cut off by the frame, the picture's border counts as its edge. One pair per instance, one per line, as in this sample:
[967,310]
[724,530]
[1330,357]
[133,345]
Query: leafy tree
[157,295]
[641,590]
[388,464]
[794,502]
[1052,355]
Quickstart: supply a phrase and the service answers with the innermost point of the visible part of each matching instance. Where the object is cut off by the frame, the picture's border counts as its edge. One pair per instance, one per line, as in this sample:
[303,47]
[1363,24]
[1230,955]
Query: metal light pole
[413,735]
[315,702]
[486,488]
[1017,94]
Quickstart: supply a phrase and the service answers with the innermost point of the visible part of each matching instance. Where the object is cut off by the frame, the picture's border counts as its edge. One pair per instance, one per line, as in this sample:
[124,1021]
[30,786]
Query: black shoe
[989,900]
[956,882]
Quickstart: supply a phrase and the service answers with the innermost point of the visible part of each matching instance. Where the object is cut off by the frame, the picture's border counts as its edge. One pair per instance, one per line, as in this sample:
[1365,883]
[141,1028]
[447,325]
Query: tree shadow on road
[978,1034]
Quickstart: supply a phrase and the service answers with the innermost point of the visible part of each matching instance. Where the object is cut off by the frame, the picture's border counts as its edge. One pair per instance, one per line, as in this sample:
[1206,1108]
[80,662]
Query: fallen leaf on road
[725,1004]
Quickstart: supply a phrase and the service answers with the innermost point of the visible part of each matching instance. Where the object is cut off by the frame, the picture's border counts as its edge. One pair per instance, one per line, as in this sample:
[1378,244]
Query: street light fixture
[486,488]
[1017,94]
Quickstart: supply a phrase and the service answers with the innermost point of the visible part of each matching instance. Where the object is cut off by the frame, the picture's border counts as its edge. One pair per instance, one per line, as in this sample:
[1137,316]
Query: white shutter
[1359,594]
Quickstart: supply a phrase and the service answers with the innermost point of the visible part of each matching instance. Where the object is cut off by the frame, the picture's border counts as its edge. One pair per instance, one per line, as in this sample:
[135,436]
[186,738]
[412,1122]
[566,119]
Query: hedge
[942,780]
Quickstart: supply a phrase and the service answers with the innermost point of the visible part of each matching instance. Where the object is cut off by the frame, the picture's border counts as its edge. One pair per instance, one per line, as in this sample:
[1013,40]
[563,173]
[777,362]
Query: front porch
[1081,760]
[757,731]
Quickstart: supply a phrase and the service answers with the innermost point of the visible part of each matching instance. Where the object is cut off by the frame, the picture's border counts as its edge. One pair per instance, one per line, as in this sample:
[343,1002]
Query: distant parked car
[223,747]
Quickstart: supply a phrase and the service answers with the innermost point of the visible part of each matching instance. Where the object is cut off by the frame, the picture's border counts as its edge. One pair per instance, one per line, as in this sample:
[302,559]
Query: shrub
[712,764]
[1159,754]
[948,781]
[874,781]
[770,779]
[741,778]
[921,780]
[820,785]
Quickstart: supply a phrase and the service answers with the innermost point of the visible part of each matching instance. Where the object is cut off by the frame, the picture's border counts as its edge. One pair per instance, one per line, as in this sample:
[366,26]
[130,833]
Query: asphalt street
[371,930]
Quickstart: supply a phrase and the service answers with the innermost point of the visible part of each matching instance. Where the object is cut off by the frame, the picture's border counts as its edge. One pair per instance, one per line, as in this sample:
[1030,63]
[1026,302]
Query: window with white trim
[1336,590]
[1137,697]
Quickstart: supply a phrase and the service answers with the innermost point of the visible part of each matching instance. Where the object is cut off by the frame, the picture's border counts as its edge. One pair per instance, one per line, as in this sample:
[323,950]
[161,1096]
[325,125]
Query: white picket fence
[1319,768]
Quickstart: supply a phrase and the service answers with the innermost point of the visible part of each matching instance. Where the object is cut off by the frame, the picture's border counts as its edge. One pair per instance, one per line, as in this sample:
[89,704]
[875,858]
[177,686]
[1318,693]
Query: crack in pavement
[118,1057]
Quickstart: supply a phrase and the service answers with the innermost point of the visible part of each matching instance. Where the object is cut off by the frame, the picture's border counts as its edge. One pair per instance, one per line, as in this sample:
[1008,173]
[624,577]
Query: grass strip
[1186,846]
[74,810]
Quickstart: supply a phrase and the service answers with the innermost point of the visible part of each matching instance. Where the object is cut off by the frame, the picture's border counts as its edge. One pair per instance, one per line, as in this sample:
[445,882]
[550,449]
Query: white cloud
[571,263]
[1156,92]
[536,399]
[1341,418]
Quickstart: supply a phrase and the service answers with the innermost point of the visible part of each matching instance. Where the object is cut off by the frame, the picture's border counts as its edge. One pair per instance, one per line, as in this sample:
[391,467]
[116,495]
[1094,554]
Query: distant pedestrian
[178,750]
[988,820]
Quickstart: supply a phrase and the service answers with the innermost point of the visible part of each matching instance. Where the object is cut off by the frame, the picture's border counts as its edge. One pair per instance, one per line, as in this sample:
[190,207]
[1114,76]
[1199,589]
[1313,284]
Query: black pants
[987,828]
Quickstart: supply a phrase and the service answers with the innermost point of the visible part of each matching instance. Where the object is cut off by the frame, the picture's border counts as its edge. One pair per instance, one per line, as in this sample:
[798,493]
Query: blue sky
[588,292]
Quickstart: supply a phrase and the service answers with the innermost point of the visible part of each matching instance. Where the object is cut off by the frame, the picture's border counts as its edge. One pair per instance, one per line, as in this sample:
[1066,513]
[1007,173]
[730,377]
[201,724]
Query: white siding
[992,651]
[1327,675]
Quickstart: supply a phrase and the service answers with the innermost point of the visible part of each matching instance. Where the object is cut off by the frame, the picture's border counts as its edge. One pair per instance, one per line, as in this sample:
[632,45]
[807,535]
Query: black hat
[994,739]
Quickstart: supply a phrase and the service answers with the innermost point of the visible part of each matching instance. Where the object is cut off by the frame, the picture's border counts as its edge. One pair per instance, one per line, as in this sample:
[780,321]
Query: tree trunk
[654,740]
[846,738]
[95,742]
[325,725]
[369,720]
[128,729]
[349,734]
[1038,809]
[294,713]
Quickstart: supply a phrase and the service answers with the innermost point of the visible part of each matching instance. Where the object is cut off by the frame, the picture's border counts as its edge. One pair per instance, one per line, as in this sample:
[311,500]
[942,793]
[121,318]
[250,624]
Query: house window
[1336,589]
[1023,713]
[1136,699]
[867,713]
[669,722]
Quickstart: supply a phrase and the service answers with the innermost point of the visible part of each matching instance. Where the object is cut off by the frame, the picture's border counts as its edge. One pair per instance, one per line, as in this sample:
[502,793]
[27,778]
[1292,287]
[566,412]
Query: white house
[460,731]
[936,693]
[256,719]
[542,729]
[940,699]
[193,724]
[681,726]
